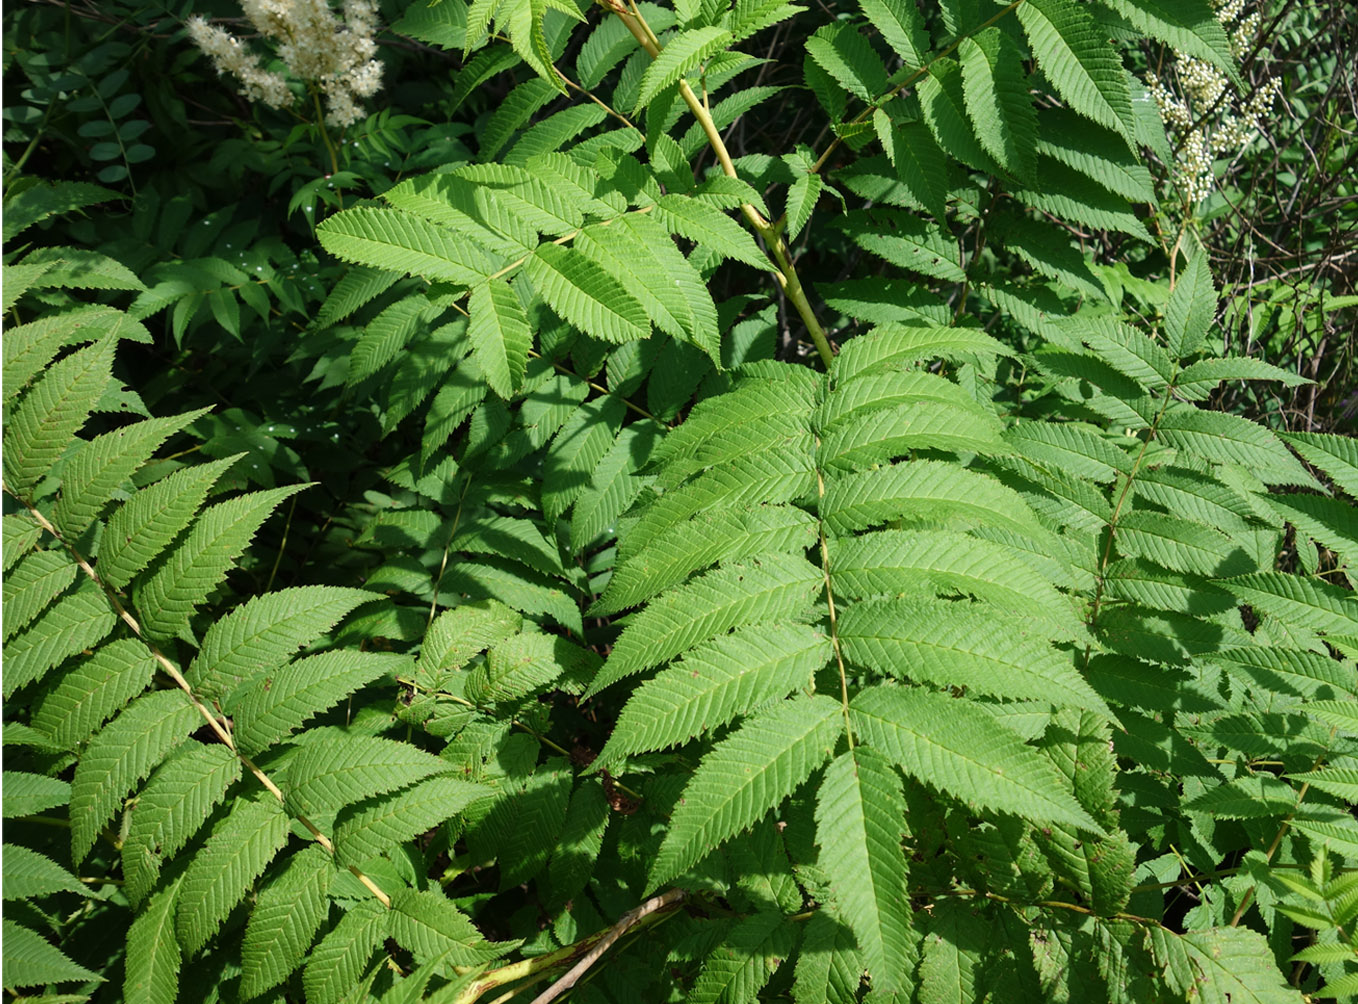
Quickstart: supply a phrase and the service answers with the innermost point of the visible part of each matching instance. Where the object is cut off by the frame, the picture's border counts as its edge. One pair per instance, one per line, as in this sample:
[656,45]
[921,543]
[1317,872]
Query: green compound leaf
[1306,602]
[271,707]
[26,794]
[153,955]
[710,227]
[721,534]
[44,424]
[145,524]
[638,252]
[774,587]
[894,344]
[76,622]
[1075,55]
[526,663]
[370,828]
[924,490]
[1188,26]
[330,772]
[921,166]
[1191,309]
[912,243]
[1179,544]
[170,809]
[847,56]
[995,90]
[30,960]
[1222,965]
[398,241]
[780,472]
[950,644]
[29,874]
[738,969]
[431,927]
[942,563]
[1230,439]
[573,860]
[337,964]
[99,469]
[744,777]
[900,23]
[1337,456]
[829,965]
[20,534]
[459,634]
[714,683]
[577,449]
[37,203]
[951,955]
[528,823]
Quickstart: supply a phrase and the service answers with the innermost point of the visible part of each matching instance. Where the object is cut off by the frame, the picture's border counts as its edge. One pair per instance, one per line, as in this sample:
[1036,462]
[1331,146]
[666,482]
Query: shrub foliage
[833,558]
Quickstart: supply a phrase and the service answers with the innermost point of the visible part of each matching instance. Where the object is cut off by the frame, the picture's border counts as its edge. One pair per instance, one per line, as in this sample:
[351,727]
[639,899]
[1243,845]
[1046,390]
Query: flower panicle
[1200,110]
[337,56]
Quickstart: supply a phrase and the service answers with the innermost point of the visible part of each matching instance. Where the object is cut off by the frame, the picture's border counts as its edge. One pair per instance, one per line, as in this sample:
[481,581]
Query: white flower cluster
[1202,117]
[315,45]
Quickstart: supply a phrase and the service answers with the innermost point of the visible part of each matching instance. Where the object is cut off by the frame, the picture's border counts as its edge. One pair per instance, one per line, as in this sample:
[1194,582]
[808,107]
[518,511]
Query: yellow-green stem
[767,231]
[174,674]
[325,135]
[582,953]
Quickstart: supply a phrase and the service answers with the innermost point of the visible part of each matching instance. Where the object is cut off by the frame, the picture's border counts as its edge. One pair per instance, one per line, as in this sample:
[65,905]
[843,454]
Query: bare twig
[627,921]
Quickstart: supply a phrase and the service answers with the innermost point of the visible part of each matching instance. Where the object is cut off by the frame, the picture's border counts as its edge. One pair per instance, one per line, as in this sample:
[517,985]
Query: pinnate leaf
[995,89]
[146,523]
[715,682]
[31,960]
[271,707]
[774,587]
[681,54]
[329,772]
[373,827]
[167,599]
[174,804]
[1075,55]
[398,241]
[45,422]
[153,954]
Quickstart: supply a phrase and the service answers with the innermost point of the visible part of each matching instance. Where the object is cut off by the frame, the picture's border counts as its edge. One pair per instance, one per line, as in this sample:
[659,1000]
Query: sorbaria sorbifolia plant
[973,657]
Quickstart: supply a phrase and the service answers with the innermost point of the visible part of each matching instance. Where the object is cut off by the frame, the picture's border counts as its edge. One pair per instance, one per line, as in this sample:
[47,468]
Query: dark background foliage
[217,209]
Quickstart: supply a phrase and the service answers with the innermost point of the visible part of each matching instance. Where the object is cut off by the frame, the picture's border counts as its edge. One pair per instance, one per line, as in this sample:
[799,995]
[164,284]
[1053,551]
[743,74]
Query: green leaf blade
[860,822]
[581,292]
[964,751]
[744,777]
